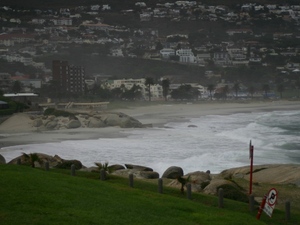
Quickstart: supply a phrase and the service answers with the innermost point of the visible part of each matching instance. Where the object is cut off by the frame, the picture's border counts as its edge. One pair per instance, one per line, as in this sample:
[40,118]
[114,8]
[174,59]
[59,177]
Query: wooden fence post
[189,191]
[287,210]
[131,180]
[47,166]
[72,170]
[220,194]
[160,185]
[102,174]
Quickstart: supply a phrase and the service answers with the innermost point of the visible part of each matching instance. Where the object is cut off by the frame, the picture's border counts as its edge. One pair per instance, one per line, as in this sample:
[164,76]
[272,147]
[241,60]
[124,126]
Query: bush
[55,112]
[234,193]
[12,108]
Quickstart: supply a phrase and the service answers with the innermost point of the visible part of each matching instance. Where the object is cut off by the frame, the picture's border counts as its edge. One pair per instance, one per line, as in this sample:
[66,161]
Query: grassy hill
[121,3]
[34,196]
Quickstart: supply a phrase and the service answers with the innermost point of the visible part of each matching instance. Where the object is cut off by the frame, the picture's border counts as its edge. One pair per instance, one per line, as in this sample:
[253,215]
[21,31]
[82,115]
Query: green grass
[34,196]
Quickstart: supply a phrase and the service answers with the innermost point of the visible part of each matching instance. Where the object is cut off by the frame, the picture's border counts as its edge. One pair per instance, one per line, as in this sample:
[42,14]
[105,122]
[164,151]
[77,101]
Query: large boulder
[173,172]
[50,124]
[230,190]
[147,175]
[129,122]
[66,164]
[138,167]
[112,119]
[115,167]
[37,122]
[137,174]
[2,160]
[199,180]
[54,161]
[73,124]
[94,122]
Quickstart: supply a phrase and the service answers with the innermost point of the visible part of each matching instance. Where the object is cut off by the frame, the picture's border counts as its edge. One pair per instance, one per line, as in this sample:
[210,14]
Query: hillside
[55,197]
[121,3]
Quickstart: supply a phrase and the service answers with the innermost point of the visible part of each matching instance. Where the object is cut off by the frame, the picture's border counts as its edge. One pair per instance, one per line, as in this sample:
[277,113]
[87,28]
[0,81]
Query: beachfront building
[127,84]
[186,55]
[5,81]
[70,78]
[166,53]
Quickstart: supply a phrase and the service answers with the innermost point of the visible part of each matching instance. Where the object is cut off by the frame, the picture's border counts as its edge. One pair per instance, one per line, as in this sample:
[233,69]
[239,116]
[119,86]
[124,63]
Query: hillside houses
[241,37]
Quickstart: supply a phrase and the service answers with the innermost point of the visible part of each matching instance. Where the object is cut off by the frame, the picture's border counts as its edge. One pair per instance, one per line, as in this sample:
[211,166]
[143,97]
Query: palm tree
[165,86]
[103,166]
[183,181]
[251,91]
[17,87]
[280,89]
[148,82]
[32,158]
[225,91]
[236,88]
[266,89]
[297,86]
[210,88]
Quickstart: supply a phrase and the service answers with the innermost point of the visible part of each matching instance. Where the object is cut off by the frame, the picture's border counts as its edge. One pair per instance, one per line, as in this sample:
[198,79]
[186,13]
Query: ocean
[212,142]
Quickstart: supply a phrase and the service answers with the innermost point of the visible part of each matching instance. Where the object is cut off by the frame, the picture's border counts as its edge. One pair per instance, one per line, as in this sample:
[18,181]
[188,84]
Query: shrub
[234,193]
[55,112]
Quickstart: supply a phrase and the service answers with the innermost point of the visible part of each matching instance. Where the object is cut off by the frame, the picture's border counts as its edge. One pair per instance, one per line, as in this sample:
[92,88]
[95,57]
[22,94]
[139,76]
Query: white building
[155,90]
[167,52]
[186,55]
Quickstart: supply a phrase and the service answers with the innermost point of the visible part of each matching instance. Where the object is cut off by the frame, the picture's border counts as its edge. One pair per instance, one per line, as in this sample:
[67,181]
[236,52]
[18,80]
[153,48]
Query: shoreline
[20,132]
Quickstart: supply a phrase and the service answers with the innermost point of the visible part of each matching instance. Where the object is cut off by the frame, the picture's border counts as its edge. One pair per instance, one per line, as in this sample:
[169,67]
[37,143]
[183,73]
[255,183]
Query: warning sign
[270,202]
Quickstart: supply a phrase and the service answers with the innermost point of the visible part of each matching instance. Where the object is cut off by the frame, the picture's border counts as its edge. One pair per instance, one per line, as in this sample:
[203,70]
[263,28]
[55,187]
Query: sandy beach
[18,129]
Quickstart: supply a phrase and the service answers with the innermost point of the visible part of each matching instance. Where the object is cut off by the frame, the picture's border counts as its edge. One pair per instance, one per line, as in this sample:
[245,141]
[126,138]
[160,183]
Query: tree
[165,86]
[183,181]
[159,46]
[210,88]
[148,82]
[17,87]
[280,89]
[225,91]
[266,89]
[251,91]
[236,88]
[32,158]
[185,91]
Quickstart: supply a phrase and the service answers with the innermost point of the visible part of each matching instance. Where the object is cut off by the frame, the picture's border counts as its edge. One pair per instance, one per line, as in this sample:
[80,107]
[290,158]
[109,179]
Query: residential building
[203,58]
[5,81]
[186,55]
[221,58]
[166,53]
[155,90]
[62,21]
[70,78]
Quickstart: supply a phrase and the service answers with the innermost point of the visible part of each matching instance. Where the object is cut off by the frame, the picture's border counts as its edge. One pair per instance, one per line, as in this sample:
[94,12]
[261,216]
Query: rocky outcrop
[54,161]
[2,160]
[138,167]
[272,174]
[73,124]
[89,120]
[173,172]
[137,174]
[198,180]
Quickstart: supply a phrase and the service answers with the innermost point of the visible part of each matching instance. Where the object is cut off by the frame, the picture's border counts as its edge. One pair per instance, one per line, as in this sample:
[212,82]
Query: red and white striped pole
[251,151]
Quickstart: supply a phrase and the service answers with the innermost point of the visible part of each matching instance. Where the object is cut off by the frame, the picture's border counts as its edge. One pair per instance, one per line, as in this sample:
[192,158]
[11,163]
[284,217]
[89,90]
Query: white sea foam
[215,144]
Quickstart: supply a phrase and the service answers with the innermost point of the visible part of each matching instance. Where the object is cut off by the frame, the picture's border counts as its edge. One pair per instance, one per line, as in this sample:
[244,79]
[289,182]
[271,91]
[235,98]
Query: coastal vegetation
[34,196]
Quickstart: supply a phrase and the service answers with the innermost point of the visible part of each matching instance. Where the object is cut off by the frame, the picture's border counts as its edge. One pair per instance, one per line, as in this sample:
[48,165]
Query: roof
[3,103]
[21,95]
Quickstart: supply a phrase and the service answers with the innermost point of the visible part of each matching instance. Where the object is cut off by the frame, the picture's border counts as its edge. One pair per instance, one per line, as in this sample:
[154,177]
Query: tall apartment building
[69,77]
